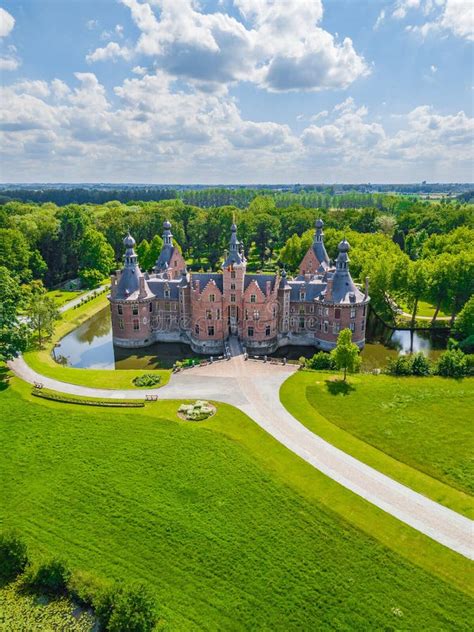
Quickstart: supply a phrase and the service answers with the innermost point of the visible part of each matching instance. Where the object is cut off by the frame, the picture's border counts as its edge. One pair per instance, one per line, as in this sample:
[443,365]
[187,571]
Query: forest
[412,249]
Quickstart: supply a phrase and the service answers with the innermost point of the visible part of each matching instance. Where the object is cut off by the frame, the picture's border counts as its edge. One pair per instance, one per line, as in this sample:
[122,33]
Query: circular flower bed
[147,380]
[198,411]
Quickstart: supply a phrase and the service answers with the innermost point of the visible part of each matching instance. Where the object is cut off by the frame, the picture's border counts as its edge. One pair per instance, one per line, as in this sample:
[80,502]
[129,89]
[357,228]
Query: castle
[265,311]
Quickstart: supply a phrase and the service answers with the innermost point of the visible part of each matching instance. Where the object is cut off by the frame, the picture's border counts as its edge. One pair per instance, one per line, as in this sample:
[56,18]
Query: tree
[50,577]
[13,557]
[13,333]
[464,324]
[15,252]
[91,278]
[143,249]
[416,286]
[438,281]
[152,254]
[127,609]
[96,253]
[346,353]
[43,313]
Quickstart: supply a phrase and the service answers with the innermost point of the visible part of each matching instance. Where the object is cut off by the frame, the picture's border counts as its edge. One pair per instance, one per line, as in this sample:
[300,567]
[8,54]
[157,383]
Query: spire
[318,244]
[167,236]
[130,257]
[342,261]
[236,254]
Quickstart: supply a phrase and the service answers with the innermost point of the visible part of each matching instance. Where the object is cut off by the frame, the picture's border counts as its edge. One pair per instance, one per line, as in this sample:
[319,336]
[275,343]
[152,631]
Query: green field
[424,309]
[423,423]
[228,528]
[42,361]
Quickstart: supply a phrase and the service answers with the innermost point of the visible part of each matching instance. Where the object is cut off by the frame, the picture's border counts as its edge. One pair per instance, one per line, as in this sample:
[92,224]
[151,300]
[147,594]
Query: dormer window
[253,298]
[167,293]
[302,296]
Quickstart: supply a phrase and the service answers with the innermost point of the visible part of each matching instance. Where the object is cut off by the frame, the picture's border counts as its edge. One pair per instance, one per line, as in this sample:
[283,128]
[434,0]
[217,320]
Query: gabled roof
[163,261]
[205,277]
[261,280]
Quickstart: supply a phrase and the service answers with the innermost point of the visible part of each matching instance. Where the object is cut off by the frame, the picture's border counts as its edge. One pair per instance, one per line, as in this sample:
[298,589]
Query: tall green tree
[346,353]
[43,313]
[416,286]
[13,333]
[96,253]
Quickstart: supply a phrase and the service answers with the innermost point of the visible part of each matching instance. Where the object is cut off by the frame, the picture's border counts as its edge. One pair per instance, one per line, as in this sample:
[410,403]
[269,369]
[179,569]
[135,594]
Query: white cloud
[112,52]
[92,24]
[434,69]
[279,45]
[380,20]
[403,6]
[454,16]
[7,22]
[9,63]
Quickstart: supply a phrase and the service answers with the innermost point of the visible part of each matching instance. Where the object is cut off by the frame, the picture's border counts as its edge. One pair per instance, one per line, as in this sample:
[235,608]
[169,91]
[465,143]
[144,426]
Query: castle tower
[316,260]
[233,269]
[170,262]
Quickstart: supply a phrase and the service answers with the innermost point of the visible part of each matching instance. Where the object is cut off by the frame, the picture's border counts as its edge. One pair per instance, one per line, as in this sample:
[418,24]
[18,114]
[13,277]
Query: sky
[236,91]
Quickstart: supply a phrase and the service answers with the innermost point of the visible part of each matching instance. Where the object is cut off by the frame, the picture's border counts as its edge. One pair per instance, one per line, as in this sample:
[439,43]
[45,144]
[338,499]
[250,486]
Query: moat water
[90,346]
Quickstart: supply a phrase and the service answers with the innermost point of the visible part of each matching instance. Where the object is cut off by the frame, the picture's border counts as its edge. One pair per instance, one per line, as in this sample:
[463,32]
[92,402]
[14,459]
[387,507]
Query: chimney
[141,291]
[328,294]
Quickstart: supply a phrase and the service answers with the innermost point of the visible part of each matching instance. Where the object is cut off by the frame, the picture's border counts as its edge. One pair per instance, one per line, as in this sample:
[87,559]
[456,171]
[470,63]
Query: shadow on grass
[339,387]
[4,378]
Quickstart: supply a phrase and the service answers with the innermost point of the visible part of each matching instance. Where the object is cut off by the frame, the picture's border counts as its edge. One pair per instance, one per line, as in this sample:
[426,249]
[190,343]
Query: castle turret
[316,260]
[170,262]
[233,269]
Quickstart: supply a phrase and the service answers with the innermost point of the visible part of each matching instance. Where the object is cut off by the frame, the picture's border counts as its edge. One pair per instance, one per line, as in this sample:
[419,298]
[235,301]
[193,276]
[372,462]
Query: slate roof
[205,277]
[163,261]
[312,289]
[261,280]
[128,286]
[344,289]
[158,287]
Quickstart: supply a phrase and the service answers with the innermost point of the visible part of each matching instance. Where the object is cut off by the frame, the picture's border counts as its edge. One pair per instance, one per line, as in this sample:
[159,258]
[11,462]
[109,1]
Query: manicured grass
[416,430]
[228,528]
[20,612]
[424,309]
[42,361]
[61,297]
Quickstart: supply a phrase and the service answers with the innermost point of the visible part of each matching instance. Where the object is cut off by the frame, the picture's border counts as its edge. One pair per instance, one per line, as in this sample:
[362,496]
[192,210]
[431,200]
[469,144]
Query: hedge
[66,399]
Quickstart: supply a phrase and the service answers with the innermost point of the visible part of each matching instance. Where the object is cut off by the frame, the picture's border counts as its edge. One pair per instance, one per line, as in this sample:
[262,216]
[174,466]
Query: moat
[90,346]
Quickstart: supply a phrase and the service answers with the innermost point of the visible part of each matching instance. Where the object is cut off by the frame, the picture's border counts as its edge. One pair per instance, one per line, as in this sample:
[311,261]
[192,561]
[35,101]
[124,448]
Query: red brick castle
[265,311]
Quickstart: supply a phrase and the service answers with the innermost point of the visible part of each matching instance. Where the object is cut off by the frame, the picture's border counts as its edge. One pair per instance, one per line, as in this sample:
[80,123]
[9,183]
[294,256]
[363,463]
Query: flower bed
[147,380]
[198,411]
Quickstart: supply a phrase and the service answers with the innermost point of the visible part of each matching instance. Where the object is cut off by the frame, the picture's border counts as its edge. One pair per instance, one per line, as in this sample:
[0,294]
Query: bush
[321,361]
[467,345]
[149,379]
[401,365]
[420,365]
[51,577]
[90,278]
[453,363]
[70,399]
[13,557]
[127,609]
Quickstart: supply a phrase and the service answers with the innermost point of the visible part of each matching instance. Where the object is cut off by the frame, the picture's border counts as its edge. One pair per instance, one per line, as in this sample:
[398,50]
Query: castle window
[311,309]
[212,298]
[210,331]
[135,310]
[218,314]
[274,311]
[208,314]
[121,323]
[166,293]
[352,326]
[267,330]
[250,332]
[335,328]
[302,296]
[167,307]
[362,325]
[301,322]
[175,263]
[337,313]
[353,312]
[232,298]
[136,324]
[326,311]
[232,286]
[320,311]
[150,307]
[326,326]
[363,311]
[232,275]
[253,298]
[246,314]
[119,309]
[196,329]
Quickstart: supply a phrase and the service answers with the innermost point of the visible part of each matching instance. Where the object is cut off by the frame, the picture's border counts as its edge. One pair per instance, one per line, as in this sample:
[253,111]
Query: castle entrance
[233,319]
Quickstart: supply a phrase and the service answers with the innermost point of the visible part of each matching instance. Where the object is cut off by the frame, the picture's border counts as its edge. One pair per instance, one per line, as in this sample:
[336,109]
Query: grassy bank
[415,430]
[227,527]
[41,360]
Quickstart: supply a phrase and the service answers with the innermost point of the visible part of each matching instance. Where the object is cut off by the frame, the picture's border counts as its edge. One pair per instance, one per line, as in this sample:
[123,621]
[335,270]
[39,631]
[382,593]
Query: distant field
[228,528]
[425,423]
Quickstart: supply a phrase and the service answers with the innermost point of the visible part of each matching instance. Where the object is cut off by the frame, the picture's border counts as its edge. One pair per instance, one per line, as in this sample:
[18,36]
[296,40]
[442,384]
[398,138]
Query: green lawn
[42,361]
[61,297]
[424,309]
[416,430]
[228,528]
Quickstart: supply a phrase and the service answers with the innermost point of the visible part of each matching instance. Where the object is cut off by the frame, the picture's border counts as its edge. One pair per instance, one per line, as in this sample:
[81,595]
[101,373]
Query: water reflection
[90,346]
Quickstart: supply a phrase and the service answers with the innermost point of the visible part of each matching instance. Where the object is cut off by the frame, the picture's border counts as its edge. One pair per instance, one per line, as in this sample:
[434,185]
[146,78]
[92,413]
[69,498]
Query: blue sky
[233,91]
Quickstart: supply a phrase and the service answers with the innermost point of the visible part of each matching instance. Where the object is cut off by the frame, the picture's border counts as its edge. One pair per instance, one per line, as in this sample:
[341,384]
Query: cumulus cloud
[9,61]
[111,52]
[454,16]
[275,44]
[7,22]
[154,129]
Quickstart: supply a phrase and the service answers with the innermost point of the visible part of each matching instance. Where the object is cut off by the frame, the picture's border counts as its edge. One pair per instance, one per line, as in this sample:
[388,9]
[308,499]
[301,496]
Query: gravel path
[253,387]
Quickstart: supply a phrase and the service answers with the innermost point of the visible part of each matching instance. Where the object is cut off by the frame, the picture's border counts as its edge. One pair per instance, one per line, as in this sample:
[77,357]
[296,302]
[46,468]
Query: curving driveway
[253,387]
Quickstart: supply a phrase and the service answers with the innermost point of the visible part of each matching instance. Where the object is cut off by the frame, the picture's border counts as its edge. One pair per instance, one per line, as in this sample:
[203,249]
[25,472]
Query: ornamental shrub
[148,379]
[420,365]
[321,361]
[13,557]
[50,577]
[127,609]
[453,363]
[401,365]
